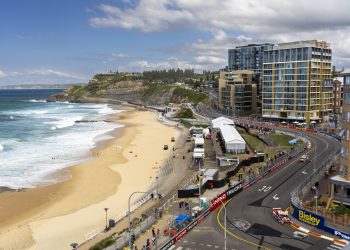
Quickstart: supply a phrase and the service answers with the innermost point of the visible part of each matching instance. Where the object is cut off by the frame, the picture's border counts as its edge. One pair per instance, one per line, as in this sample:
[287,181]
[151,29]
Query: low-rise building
[340,184]
[337,95]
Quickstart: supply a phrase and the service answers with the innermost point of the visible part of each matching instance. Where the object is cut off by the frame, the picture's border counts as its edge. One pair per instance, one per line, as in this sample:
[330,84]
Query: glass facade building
[248,57]
[297,81]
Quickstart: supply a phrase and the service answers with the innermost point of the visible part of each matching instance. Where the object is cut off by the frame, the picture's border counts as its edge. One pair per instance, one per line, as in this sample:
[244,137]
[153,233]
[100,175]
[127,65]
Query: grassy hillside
[130,87]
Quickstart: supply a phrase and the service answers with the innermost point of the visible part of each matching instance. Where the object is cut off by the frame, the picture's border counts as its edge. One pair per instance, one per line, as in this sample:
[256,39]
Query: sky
[68,41]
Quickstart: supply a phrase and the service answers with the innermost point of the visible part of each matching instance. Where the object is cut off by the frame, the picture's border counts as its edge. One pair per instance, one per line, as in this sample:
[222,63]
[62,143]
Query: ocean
[38,138]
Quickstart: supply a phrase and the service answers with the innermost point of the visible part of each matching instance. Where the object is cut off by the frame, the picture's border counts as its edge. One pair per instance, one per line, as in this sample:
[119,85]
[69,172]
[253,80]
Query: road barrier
[229,193]
[316,221]
[305,215]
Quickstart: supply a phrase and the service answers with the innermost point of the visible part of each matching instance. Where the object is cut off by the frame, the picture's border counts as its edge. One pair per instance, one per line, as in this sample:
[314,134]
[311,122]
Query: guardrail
[123,239]
[302,212]
[232,191]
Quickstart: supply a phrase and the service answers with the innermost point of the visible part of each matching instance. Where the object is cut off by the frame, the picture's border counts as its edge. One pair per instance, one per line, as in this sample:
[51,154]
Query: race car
[304,158]
[280,215]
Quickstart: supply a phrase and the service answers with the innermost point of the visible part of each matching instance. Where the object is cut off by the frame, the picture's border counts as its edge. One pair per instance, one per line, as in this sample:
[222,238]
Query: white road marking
[304,172]
[275,197]
[264,188]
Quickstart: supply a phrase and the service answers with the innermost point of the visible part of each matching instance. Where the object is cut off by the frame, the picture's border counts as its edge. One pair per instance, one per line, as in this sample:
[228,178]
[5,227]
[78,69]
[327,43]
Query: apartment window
[345,134]
[344,152]
[347,98]
[347,80]
[346,116]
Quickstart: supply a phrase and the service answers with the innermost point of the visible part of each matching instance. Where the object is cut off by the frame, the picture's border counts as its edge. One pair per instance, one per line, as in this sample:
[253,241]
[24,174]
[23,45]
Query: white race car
[280,215]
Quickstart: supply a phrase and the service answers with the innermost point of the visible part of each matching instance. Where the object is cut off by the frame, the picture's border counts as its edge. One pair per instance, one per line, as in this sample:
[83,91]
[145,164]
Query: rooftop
[302,44]
[230,133]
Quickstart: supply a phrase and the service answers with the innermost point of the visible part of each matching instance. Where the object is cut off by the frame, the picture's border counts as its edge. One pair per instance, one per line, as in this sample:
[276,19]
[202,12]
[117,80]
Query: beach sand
[53,217]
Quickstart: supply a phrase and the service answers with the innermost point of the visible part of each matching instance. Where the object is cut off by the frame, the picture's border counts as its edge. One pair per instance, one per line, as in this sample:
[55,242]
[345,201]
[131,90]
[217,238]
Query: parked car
[172,139]
[280,215]
[165,147]
[304,158]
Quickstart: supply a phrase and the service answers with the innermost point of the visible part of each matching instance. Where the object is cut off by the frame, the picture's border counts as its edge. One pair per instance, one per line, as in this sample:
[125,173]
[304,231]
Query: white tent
[233,140]
[199,142]
[198,153]
[216,123]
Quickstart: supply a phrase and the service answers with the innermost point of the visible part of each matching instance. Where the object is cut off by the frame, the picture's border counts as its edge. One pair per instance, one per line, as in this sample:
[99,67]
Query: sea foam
[45,139]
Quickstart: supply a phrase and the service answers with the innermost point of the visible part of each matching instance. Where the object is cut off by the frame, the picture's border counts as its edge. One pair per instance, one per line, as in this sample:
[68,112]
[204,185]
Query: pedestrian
[136,248]
[143,247]
[153,232]
[148,243]
[158,233]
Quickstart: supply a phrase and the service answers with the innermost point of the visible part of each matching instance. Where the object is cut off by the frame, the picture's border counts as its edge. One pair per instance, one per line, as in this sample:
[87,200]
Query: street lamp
[224,206]
[200,181]
[157,193]
[316,197]
[137,192]
[106,209]
[315,158]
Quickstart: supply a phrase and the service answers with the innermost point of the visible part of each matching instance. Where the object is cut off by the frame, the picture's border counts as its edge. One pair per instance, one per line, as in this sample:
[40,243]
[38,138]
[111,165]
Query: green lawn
[281,139]
[253,142]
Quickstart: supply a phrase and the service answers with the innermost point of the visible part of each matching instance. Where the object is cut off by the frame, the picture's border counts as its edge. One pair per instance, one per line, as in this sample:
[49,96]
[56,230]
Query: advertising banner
[217,201]
[316,221]
[234,190]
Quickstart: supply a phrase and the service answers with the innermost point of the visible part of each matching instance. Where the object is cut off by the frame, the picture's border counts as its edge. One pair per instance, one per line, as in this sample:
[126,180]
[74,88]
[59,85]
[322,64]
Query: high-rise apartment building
[340,184]
[248,57]
[237,92]
[297,81]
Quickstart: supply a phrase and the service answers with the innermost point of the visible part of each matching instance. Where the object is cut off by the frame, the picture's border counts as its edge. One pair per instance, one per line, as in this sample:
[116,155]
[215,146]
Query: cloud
[234,22]
[258,16]
[40,76]
[2,73]
[142,16]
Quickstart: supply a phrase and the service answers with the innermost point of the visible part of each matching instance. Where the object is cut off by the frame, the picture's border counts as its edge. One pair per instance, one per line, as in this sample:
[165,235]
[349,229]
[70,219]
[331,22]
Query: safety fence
[323,220]
[232,191]
[121,240]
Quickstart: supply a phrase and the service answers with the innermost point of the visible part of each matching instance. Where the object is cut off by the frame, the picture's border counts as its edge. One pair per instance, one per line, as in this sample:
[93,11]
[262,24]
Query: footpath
[158,234]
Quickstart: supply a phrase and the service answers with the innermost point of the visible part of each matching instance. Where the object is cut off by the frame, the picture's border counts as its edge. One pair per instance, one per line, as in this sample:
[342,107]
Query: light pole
[316,197]
[224,206]
[200,182]
[137,192]
[157,193]
[106,209]
[315,158]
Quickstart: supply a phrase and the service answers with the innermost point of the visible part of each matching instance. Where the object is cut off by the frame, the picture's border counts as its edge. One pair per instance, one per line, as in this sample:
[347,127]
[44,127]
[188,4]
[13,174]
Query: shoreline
[99,182]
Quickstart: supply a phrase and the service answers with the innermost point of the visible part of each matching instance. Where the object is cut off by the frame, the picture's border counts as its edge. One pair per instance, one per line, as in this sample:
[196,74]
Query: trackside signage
[234,190]
[316,221]
[185,230]
[214,203]
[307,217]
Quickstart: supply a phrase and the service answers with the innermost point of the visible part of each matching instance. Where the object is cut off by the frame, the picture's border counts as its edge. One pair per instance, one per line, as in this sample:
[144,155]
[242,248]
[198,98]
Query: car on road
[304,158]
[280,215]
[299,235]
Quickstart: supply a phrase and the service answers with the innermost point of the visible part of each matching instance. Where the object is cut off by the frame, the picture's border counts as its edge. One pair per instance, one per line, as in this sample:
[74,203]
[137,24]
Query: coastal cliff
[129,88]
